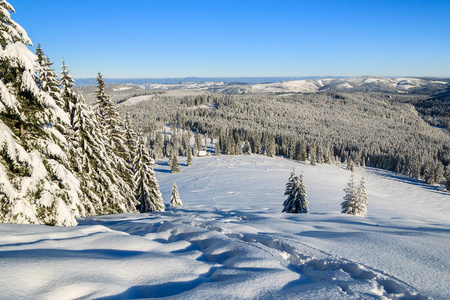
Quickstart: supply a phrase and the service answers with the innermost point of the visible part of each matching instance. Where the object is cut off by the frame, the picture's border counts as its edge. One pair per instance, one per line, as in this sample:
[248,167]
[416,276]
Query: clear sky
[215,38]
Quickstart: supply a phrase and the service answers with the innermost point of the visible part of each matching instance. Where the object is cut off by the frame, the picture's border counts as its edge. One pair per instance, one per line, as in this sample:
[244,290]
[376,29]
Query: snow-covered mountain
[359,84]
[403,85]
[231,241]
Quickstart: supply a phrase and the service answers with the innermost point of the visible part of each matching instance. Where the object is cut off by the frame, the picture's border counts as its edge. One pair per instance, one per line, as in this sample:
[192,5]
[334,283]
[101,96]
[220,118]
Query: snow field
[230,240]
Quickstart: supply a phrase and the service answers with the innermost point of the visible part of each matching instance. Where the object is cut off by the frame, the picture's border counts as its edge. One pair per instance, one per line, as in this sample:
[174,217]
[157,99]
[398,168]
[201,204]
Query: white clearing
[230,240]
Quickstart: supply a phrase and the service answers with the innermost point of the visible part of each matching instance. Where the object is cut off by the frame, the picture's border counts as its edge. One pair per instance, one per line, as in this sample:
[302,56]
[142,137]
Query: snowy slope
[230,240]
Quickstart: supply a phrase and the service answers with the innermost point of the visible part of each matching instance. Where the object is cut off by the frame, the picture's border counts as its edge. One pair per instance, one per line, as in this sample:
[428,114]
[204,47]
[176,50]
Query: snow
[7,100]
[62,174]
[19,55]
[55,132]
[5,186]
[137,99]
[314,85]
[345,85]
[29,83]
[8,142]
[54,150]
[122,88]
[230,240]
[297,86]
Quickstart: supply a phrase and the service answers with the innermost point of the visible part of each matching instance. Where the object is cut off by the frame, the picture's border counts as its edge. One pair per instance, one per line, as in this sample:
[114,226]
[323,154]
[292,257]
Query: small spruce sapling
[175,198]
[355,199]
[361,209]
[296,192]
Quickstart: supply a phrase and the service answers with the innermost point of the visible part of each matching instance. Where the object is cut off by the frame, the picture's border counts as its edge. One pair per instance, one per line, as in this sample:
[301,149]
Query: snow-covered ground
[230,240]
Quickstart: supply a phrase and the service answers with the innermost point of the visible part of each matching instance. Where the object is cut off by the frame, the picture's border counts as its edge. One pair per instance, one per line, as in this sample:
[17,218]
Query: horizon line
[310,76]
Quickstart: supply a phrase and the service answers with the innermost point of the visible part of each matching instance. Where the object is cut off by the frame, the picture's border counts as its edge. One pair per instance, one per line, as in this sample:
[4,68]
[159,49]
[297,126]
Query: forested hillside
[373,129]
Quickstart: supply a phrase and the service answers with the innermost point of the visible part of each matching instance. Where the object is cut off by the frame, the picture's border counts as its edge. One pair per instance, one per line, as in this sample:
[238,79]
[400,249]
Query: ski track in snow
[225,250]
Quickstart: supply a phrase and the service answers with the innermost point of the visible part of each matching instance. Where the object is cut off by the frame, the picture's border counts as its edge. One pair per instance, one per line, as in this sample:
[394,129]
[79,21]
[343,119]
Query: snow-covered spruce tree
[105,190]
[67,83]
[271,147]
[355,199]
[303,154]
[174,165]
[296,151]
[350,165]
[175,198]
[189,156]
[312,153]
[47,77]
[216,149]
[296,191]
[350,196]
[447,182]
[361,209]
[147,187]
[131,137]
[113,128]
[290,185]
[36,182]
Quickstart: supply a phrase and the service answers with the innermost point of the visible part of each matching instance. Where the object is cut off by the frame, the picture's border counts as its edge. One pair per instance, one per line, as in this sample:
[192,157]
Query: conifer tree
[312,153]
[320,155]
[247,149]
[217,149]
[174,165]
[290,183]
[270,146]
[361,209]
[36,185]
[439,172]
[447,182]
[429,173]
[296,201]
[158,146]
[303,154]
[296,152]
[355,199]
[47,77]
[197,144]
[131,137]
[147,187]
[113,127]
[105,190]
[350,196]
[67,82]
[189,156]
[350,165]
[175,198]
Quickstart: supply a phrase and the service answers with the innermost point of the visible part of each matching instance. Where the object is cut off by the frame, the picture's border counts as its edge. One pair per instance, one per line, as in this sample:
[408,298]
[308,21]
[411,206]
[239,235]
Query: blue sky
[154,39]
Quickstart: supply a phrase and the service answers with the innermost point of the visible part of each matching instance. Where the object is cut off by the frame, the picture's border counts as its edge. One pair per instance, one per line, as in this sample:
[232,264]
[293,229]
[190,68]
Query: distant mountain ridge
[357,84]
[241,80]
[281,85]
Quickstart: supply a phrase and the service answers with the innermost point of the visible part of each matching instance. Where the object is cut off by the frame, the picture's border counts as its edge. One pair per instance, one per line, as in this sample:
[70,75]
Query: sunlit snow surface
[230,240]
